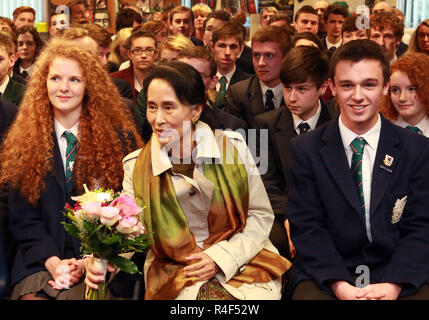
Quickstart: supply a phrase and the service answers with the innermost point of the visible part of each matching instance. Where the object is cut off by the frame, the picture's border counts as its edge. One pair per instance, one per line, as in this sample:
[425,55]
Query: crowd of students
[334,179]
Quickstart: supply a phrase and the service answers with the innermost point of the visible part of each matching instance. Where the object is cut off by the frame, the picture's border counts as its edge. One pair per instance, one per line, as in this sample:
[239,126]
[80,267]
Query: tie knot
[24,74]
[70,137]
[413,129]
[222,80]
[358,144]
[269,94]
[303,127]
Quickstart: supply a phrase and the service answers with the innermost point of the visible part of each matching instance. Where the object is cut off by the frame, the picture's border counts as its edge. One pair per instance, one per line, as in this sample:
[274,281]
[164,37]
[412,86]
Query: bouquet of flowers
[108,225]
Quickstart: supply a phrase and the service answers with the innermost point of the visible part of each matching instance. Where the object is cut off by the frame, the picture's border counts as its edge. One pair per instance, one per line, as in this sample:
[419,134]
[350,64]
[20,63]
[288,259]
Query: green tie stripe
[358,145]
[70,156]
[220,96]
[413,129]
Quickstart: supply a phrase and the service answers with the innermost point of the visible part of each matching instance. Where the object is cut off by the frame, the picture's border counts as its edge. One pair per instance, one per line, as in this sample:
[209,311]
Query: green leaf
[125,264]
[71,229]
[112,239]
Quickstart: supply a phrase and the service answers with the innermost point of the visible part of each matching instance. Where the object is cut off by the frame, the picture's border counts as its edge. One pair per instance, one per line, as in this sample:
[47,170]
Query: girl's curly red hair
[107,132]
[416,67]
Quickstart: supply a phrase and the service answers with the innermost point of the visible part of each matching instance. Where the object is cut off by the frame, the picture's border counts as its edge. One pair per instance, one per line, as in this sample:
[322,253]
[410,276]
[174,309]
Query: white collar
[423,124]
[3,86]
[59,129]
[277,90]
[228,75]
[371,136]
[336,45]
[312,122]
[206,145]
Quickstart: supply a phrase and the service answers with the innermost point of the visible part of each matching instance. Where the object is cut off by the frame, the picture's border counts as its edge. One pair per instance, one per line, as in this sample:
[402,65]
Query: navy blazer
[37,230]
[281,130]
[327,226]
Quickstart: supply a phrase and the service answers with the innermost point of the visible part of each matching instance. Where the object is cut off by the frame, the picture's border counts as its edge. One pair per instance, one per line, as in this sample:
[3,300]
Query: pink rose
[127,225]
[126,205]
[109,216]
[92,209]
[138,229]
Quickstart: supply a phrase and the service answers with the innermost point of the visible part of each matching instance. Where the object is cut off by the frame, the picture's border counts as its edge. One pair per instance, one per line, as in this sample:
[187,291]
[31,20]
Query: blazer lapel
[256,103]
[284,133]
[382,172]
[334,156]
[58,167]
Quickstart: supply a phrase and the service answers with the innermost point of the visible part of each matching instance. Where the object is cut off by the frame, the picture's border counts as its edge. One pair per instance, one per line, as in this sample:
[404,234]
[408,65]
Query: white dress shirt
[228,77]
[312,122]
[4,85]
[277,91]
[62,141]
[369,152]
[423,125]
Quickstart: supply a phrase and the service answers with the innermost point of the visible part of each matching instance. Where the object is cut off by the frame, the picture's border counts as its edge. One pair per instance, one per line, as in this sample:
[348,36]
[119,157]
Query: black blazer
[37,230]
[197,42]
[279,124]
[245,61]
[14,92]
[244,100]
[327,225]
[402,48]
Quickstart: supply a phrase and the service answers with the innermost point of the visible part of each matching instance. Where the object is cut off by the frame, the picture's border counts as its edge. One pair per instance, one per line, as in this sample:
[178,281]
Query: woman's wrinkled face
[170,119]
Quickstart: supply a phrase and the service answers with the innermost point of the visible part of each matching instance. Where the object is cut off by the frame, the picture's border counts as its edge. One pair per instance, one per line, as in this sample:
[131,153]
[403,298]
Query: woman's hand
[65,272]
[205,268]
[94,273]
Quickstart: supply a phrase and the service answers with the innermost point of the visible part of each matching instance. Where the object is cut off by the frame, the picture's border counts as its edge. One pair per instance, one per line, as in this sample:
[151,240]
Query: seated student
[29,46]
[200,10]
[73,114]
[334,15]
[387,30]
[307,39]
[158,28]
[227,44]
[263,91]
[304,77]
[7,25]
[24,16]
[7,246]
[171,47]
[306,20]
[209,215]
[350,31]
[10,90]
[408,102]
[359,193]
[143,53]
[419,41]
[119,52]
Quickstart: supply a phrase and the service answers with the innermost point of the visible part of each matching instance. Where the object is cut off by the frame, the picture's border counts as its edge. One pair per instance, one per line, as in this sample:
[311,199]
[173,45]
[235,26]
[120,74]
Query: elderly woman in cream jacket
[205,204]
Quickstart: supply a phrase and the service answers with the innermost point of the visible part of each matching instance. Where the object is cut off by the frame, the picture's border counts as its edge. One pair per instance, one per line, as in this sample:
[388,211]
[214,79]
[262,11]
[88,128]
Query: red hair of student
[107,132]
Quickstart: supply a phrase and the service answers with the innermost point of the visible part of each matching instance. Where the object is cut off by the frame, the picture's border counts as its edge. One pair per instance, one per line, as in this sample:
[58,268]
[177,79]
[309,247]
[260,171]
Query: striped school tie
[220,96]
[357,145]
[413,129]
[70,156]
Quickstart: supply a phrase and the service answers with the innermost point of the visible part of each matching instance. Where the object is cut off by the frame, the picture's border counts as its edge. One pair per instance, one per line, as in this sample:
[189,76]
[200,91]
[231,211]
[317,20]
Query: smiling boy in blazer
[359,193]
